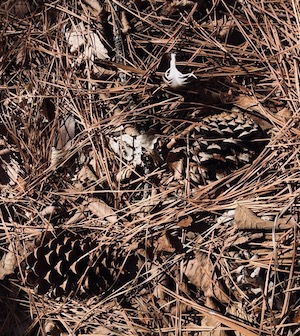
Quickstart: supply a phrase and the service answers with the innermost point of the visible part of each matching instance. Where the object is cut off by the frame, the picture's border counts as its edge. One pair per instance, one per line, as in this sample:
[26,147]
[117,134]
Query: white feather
[173,77]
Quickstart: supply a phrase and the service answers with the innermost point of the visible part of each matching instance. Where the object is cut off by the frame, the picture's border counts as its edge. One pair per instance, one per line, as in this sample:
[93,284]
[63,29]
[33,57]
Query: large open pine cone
[71,263]
[217,145]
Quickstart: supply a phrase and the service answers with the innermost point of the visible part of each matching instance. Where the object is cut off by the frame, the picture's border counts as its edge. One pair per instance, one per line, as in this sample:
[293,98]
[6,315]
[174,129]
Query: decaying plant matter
[140,196]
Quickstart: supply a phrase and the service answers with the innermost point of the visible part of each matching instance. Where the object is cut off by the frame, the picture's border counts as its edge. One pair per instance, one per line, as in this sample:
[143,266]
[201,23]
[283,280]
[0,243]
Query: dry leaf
[51,328]
[79,37]
[211,322]
[21,55]
[285,114]
[297,316]
[176,167]
[226,25]
[125,23]
[246,102]
[100,209]
[251,104]
[170,7]
[241,238]
[10,166]
[48,210]
[103,331]
[75,218]
[185,222]
[56,155]
[94,5]
[63,140]
[89,171]
[246,219]
[132,148]
[125,173]
[200,271]
[163,244]
[99,71]
[21,8]
[65,133]
[96,48]
[8,263]
[75,37]
[13,171]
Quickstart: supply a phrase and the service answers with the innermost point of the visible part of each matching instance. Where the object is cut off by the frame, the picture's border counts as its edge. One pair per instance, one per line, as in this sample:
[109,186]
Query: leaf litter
[97,146]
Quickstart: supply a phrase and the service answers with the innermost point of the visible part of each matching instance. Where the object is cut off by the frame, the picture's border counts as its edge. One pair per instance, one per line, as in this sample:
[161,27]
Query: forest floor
[149,167]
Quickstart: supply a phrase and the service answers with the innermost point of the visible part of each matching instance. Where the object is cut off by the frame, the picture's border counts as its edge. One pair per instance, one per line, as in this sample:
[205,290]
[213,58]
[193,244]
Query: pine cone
[220,144]
[73,264]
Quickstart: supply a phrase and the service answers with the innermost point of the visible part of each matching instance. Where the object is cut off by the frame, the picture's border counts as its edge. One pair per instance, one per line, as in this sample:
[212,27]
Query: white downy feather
[173,77]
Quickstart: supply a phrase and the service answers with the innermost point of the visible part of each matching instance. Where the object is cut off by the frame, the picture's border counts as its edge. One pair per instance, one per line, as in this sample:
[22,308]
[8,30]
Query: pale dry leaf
[103,331]
[97,48]
[226,25]
[132,148]
[185,222]
[13,170]
[99,71]
[78,38]
[103,211]
[160,280]
[48,210]
[8,262]
[124,147]
[94,5]
[75,37]
[125,23]
[131,130]
[148,141]
[77,217]
[163,244]
[55,157]
[86,174]
[124,173]
[63,139]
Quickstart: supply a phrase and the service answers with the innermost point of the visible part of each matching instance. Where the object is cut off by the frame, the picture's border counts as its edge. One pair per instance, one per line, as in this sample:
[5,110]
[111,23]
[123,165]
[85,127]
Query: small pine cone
[220,144]
[72,264]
